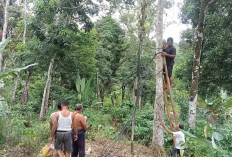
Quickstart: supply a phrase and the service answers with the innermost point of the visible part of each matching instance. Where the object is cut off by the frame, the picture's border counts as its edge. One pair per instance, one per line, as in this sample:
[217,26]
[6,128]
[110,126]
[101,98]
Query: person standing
[52,117]
[179,138]
[80,127]
[62,130]
[170,53]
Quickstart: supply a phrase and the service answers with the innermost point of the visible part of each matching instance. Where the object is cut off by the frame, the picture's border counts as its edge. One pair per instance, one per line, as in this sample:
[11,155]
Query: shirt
[172,51]
[52,117]
[180,138]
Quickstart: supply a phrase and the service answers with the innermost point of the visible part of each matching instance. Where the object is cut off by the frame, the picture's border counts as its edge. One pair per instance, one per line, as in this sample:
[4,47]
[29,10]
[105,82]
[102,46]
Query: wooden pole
[170,91]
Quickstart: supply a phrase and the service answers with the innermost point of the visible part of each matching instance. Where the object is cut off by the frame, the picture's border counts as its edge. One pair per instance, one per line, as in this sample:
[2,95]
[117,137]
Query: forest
[108,56]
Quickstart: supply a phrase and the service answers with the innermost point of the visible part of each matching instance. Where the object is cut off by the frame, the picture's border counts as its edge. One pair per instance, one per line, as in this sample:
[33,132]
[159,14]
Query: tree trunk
[44,105]
[25,21]
[4,32]
[24,95]
[158,137]
[101,94]
[141,31]
[196,67]
[15,89]
[123,92]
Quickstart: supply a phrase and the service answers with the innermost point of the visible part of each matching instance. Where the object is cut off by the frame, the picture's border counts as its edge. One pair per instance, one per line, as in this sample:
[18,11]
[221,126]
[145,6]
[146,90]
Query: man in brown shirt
[79,126]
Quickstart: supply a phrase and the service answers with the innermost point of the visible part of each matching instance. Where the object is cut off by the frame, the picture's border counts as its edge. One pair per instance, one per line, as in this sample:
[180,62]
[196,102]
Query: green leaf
[217,136]
[3,45]
[11,71]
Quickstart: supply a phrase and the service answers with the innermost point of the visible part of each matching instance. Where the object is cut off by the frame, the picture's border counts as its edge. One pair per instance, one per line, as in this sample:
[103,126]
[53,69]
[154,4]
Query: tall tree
[137,90]
[4,31]
[109,51]
[44,105]
[196,62]
[158,137]
[196,66]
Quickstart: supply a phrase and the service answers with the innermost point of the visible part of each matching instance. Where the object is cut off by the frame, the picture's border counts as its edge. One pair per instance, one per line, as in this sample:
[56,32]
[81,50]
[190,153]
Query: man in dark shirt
[170,54]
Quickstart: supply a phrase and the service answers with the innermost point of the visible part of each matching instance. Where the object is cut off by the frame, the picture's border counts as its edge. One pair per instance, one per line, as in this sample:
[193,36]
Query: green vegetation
[94,63]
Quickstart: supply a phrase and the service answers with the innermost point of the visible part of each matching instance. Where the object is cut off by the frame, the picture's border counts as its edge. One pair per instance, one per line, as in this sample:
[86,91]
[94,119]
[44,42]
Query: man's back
[180,138]
[80,121]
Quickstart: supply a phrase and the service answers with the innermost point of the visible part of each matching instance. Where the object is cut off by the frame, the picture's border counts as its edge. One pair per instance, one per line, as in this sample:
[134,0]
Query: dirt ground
[102,147]
[96,148]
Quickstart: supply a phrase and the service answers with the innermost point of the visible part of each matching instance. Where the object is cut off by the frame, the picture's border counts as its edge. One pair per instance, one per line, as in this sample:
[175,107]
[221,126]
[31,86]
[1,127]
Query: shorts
[169,67]
[63,141]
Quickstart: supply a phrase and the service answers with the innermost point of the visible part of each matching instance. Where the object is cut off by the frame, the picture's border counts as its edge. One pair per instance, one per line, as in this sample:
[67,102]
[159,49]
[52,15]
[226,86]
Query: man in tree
[179,138]
[80,126]
[170,54]
[62,129]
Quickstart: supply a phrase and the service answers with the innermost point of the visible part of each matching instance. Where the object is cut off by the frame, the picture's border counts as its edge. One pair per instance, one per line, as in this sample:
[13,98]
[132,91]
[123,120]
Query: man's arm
[163,124]
[168,55]
[74,125]
[84,123]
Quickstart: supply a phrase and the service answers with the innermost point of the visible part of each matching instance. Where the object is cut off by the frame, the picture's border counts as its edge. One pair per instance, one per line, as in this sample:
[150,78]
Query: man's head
[78,107]
[64,104]
[170,41]
[59,106]
[180,126]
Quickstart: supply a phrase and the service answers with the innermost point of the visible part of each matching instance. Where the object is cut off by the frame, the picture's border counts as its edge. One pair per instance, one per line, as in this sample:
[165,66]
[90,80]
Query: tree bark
[15,89]
[4,32]
[123,92]
[25,21]
[141,31]
[24,95]
[196,67]
[44,105]
[158,137]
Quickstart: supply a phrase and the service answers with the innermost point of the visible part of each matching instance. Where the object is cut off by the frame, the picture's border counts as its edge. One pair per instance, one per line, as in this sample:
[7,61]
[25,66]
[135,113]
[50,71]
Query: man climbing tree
[179,138]
[170,54]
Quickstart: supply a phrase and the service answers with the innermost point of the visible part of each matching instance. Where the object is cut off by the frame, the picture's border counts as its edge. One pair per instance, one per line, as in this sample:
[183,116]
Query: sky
[172,22]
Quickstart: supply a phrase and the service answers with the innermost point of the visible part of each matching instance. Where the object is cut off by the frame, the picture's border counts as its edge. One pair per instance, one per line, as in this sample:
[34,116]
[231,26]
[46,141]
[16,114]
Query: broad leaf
[3,45]
[11,71]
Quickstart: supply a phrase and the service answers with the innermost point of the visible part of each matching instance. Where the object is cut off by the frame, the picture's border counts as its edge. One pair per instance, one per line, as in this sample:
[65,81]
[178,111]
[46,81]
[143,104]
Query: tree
[196,63]
[158,137]
[137,90]
[196,66]
[4,31]
[109,52]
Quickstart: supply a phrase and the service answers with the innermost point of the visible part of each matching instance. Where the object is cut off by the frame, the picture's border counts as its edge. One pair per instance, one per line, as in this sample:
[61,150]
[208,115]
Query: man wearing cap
[179,138]
[62,129]
[80,126]
[170,53]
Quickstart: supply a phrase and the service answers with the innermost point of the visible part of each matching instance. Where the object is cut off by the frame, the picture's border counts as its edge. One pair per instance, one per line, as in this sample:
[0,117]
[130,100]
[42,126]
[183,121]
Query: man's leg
[81,143]
[174,152]
[58,144]
[75,149]
[67,154]
[170,67]
[68,147]
[60,153]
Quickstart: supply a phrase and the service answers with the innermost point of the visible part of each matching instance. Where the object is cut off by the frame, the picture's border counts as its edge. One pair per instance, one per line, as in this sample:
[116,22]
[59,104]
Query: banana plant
[10,71]
[85,91]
